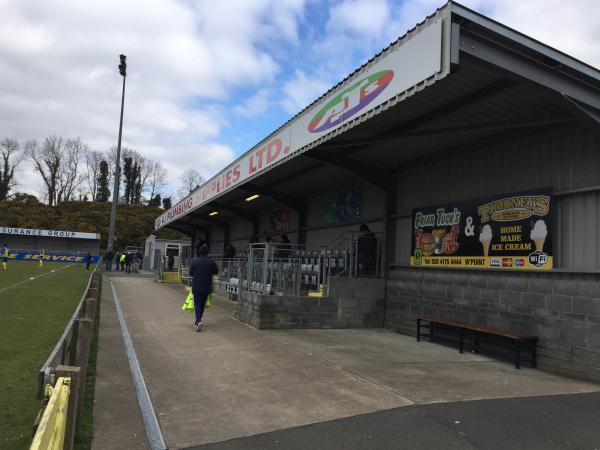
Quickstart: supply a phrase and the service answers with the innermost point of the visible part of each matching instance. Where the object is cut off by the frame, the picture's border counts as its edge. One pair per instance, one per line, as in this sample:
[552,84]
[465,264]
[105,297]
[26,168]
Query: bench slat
[468,326]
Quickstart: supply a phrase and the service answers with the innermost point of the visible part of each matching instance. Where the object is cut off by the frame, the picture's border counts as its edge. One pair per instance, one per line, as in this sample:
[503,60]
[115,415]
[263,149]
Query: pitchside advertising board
[54,257]
[510,231]
[414,60]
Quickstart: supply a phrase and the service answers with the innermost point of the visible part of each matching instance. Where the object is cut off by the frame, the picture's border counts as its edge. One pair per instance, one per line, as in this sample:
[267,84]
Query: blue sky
[208,80]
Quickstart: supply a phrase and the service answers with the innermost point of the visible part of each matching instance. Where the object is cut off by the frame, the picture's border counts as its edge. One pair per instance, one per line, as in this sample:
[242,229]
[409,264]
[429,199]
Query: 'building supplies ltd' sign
[509,231]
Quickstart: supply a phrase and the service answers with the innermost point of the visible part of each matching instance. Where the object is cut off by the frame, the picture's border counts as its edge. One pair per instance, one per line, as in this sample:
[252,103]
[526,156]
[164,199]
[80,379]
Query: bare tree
[93,158]
[11,158]
[69,178]
[190,180]
[157,178]
[47,160]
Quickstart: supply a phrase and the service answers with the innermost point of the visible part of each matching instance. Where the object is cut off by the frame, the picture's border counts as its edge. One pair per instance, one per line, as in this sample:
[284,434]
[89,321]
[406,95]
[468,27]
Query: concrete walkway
[232,380]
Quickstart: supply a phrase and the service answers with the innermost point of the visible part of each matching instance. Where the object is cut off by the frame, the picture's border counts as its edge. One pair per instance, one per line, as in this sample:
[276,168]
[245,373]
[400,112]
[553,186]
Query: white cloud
[301,90]
[359,17]
[58,71]
[254,105]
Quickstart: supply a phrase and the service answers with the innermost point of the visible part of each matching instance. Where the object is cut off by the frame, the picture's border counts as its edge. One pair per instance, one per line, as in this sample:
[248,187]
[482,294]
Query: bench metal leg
[518,356]
[461,345]
[533,355]
[418,330]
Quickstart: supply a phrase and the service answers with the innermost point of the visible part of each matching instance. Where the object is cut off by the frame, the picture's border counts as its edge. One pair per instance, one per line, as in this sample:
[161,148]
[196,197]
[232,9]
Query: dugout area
[501,114]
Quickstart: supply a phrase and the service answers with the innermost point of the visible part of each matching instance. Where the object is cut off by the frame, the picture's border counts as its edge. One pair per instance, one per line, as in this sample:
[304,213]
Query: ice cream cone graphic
[486,238]
[538,235]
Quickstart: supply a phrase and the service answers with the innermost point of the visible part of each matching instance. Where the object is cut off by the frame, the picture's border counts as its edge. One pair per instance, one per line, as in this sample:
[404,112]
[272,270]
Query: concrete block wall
[280,312]
[562,309]
[351,303]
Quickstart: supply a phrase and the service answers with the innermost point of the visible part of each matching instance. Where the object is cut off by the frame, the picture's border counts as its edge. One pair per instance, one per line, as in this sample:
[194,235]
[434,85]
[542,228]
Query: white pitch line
[34,278]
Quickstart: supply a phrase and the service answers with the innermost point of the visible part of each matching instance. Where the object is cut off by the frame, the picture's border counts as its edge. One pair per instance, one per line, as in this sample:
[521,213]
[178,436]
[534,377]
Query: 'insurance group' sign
[510,231]
[47,233]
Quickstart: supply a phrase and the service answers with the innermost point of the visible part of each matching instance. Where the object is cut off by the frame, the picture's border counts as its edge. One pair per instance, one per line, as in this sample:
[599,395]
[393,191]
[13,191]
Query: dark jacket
[202,270]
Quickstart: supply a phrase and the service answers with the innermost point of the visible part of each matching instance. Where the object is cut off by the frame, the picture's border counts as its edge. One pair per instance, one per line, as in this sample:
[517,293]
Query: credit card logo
[507,262]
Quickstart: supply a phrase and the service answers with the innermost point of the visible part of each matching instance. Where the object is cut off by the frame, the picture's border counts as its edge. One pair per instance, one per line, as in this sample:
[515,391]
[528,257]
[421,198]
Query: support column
[302,218]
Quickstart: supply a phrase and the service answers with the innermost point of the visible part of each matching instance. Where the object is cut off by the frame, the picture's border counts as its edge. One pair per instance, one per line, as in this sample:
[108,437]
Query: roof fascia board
[526,68]
[524,40]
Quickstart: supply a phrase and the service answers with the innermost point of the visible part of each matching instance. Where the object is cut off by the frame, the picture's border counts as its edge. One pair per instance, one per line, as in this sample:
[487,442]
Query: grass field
[33,315]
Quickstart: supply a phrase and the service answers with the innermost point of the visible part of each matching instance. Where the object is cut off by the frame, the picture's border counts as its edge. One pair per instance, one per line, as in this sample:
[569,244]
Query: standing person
[108,259]
[41,253]
[128,261]
[171,263]
[229,251]
[88,260]
[4,255]
[202,270]
[117,261]
[122,261]
[366,251]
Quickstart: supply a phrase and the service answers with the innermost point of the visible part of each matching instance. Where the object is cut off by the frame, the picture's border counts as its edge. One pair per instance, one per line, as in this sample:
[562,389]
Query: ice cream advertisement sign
[510,231]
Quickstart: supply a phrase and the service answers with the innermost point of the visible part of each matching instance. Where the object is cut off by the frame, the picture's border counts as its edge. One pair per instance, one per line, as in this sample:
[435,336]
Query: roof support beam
[242,213]
[483,144]
[582,111]
[501,125]
[287,200]
[371,174]
[449,108]
[522,66]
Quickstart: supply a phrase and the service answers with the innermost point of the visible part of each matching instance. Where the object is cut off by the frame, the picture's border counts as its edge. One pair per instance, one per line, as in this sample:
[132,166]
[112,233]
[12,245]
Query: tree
[69,178]
[93,159]
[155,201]
[190,180]
[157,179]
[9,152]
[103,193]
[167,203]
[47,160]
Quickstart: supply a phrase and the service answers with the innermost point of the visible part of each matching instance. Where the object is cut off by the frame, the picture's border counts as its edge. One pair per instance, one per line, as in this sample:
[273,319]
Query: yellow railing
[50,434]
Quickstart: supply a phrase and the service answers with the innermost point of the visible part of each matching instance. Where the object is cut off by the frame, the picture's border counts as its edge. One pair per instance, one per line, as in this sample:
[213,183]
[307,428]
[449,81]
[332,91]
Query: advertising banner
[280,220]
[55,257]
[411,62]
[344,207]
[510,231]
[48,233]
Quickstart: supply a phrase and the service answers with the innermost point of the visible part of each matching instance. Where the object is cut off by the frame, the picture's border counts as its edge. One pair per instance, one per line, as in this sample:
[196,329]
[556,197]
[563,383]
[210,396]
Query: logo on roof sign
[350,101]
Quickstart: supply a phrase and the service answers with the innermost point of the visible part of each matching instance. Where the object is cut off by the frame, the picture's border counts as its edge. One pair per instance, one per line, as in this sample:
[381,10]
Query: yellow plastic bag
[188,304]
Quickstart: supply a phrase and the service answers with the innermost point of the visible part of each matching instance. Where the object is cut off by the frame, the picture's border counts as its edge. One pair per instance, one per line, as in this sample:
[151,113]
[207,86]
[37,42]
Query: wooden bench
[518,342]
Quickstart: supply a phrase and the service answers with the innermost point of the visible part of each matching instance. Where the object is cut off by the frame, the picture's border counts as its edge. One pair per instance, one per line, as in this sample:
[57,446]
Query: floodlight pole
[113,212]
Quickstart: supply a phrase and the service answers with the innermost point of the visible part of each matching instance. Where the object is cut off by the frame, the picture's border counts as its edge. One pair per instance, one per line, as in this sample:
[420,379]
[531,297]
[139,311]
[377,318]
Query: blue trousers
[108,264]
[199,304]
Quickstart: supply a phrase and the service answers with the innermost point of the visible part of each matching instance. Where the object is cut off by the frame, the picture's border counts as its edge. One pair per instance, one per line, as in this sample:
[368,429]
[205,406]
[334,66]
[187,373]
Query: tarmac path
[232,381]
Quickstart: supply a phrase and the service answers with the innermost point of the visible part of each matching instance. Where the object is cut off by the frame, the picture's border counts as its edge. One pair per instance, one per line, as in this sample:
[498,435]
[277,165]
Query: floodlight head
[123,65]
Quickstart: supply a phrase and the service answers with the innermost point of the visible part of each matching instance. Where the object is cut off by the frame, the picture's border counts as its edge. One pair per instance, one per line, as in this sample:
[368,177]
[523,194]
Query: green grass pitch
[33,315]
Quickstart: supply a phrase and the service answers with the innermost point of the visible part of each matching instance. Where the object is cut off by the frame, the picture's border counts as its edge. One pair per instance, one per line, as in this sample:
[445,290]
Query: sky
[208,80]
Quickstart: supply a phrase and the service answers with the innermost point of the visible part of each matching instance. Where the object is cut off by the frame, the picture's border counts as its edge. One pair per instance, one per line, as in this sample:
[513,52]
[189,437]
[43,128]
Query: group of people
[123,261]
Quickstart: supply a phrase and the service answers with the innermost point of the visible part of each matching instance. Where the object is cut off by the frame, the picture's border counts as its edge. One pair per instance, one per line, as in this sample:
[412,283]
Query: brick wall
[562,309]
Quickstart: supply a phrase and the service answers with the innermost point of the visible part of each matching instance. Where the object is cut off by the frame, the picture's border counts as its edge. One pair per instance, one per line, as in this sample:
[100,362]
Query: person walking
[41,254]
[128,261]
[108,260]
[202,270]
[122,261]
[88,260]
[4,251]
